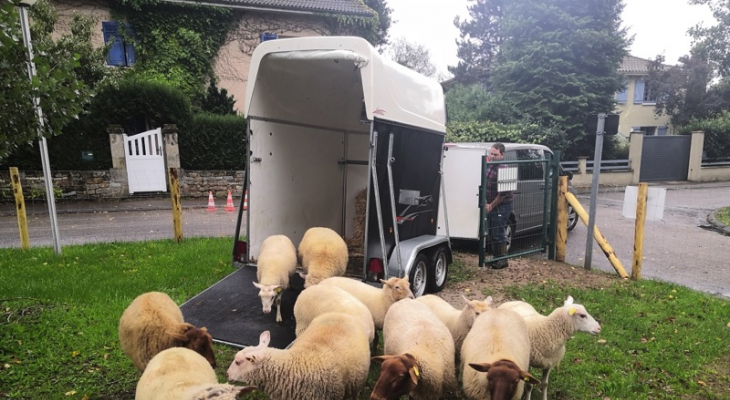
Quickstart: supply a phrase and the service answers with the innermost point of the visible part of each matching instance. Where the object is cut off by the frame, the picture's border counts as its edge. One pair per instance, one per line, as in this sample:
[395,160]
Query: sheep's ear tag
[526,379]
[278,290]
[571,311]
[415,371]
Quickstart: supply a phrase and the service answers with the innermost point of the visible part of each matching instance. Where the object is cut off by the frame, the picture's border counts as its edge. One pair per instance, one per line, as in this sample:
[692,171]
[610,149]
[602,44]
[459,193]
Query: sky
[659,26]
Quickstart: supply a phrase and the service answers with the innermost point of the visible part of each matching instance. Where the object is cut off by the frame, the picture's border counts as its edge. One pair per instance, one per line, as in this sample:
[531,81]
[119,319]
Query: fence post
[583,165]
[639,231]
[561,241]
[694,172]
[118,179]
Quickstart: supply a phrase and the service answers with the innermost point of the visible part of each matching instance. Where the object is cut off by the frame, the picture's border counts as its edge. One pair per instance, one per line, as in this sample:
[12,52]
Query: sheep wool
[152,323]
[320,299]
[277,261]
[410,328]
[182,374]
[323,253]
[458,321]
[377,300]
[329,361]
[497,342]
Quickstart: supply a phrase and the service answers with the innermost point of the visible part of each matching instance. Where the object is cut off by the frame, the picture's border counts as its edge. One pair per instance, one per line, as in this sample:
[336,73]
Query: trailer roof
[389,91]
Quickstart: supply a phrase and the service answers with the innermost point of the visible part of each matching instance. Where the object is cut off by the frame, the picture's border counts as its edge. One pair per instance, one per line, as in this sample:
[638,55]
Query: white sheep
[330,360]
[497,353]
[323,253]
[277,261]
[182,374]
[458,321]
[152,323]
[377,300]
[548,334]
[419,355]
[320,299]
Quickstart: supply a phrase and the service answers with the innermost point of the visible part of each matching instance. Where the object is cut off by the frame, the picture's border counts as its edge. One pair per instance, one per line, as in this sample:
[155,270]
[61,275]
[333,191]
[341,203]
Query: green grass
[723,215]
[58,331]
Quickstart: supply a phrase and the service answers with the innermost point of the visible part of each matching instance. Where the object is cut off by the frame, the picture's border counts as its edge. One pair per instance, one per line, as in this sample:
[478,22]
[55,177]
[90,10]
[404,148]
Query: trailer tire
[438,270]
[418,276]
[572,218]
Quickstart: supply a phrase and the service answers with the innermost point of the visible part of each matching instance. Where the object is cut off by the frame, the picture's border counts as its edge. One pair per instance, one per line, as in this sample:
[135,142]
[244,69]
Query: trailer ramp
[231,311]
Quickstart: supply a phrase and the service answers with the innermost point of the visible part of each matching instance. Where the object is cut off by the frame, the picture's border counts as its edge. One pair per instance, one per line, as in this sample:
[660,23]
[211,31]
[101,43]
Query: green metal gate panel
[665,158]
[534,201]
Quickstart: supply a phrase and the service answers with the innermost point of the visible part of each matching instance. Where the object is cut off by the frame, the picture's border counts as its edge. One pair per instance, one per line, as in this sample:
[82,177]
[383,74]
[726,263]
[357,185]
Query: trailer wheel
[439,270]
[509,234]
[418,277]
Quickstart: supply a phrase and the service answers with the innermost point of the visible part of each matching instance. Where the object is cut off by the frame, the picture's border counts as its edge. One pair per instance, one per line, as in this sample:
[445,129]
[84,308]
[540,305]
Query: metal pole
[50,197]
[594,189]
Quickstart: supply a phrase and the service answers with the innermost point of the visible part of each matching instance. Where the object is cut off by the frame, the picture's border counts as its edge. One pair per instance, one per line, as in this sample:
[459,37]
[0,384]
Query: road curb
[717,224]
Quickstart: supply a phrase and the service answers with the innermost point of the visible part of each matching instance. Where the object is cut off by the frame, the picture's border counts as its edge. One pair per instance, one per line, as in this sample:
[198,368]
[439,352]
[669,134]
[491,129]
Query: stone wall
[94,185]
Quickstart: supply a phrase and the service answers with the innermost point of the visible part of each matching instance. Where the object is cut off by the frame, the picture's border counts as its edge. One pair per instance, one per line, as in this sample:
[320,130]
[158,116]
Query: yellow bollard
[639,231]
[176,206]
[20,208]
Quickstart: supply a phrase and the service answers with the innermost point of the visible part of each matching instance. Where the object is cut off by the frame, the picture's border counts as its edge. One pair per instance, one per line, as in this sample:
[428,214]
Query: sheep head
[503,378]
[579,317]
[248,359]
[399,375]
[399,288]
[267,294]
[196,339]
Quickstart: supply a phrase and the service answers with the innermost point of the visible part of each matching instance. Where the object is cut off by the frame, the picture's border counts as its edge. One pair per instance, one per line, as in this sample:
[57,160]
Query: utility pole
[47,178]
[600,131]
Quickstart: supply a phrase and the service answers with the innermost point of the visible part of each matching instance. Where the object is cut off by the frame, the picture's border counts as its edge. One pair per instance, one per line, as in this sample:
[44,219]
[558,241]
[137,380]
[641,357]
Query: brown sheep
[152,323]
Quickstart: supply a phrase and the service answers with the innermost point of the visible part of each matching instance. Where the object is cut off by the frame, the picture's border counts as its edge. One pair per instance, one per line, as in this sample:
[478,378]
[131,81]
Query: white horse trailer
[329,117]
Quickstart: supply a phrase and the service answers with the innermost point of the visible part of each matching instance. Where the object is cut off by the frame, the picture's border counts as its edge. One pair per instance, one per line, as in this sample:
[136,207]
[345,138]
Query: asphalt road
[681,248]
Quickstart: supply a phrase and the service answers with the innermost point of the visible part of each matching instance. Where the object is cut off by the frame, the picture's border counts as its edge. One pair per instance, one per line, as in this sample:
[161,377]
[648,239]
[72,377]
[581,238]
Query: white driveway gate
[145,162]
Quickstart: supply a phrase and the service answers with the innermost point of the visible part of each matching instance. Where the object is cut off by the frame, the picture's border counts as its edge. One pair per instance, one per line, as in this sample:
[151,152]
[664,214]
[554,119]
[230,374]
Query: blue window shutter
[129,48]
[268,36]
[639,91]
[622,95]
[662,130]
[116,52]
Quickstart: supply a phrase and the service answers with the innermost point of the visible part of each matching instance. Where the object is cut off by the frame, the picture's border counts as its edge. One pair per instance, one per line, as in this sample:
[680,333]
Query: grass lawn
[58,331]
[723,215]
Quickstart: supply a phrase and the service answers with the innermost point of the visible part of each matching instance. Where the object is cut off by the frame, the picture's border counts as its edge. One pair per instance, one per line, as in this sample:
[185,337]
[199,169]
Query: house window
[268,36]
[622,95]
[121,53]
[643,93]
[646,130]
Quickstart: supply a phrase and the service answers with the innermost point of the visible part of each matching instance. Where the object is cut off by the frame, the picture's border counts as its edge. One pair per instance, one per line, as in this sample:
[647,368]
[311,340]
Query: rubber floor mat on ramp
[231,311]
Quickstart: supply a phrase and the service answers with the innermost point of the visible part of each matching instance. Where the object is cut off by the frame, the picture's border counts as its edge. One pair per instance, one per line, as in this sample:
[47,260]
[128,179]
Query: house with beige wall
[259,20]
[635,104]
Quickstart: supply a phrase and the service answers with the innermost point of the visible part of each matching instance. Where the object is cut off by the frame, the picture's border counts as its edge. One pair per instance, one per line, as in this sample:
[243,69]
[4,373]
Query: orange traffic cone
[211,203]
[245,200]
[229,203]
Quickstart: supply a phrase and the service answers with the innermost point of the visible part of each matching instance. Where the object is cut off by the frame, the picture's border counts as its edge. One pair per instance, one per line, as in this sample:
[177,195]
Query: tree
[685,89]
[479,41]
[558,62]
[475,103]
[412,55]
[58,84]
[714,41]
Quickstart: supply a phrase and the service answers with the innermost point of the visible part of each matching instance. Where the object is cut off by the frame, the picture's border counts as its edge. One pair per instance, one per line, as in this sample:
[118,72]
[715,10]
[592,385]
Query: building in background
[636,102]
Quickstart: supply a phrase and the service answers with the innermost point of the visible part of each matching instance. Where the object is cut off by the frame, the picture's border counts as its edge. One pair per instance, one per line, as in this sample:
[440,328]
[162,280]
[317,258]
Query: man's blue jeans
[498,219]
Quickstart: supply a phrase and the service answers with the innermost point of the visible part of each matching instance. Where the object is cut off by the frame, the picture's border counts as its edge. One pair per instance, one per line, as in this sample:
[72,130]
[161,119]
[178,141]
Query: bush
[717,134]
[214,142]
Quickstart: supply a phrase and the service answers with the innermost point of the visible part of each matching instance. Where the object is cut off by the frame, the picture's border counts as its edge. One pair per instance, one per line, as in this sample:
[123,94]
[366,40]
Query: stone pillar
[583,165]
[118,179]
[694,172]
[635,148]
[172,150]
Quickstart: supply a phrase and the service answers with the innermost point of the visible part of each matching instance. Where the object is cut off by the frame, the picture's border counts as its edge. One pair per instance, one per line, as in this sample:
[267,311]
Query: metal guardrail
[606,165]
[722,162]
